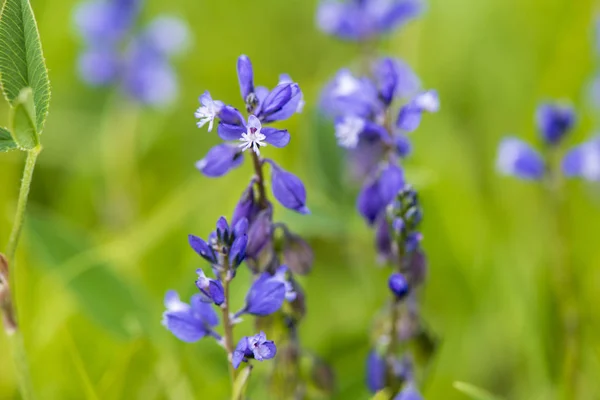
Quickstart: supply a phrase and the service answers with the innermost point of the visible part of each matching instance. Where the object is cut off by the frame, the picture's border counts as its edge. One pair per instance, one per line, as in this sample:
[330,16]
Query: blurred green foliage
[116,193]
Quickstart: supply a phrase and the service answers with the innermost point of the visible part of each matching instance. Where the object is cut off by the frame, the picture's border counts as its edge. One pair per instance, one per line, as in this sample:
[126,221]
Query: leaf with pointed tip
[6,141]
[21,59]
[23,117]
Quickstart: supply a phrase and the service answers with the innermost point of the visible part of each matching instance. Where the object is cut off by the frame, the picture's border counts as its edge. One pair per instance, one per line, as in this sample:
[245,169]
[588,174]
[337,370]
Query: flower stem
[260,180]
[227,325]
[16,339]
[564,281]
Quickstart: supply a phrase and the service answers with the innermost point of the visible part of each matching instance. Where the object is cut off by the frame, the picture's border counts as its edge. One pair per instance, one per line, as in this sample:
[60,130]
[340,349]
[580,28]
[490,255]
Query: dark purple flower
[554,121]
[211,289]
[189,322]
[202,248]
[376,372]
[245,76]
[220,160]
[266,295]
[394,79]
[517,158]
[259,232]
[359,20]
[288,189]
[246,207]
[253,347]
[398,285]
[281,103]
[237,254]
[403,146]
[409,117]
[583,161]
[223,230]
[409,392]
[99,66]
[377,193]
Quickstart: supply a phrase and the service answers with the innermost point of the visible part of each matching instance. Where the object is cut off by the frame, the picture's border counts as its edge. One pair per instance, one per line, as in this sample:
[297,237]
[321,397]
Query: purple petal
[517,158]
[265,296]
[184,326]
[259,233]
[240,227]
[376,371]
[398,284]
[409,118]
[245,76]
[391,181]
[265,351]
[383,241]
[246,206]
[98,67]
[289,108]
[168,35]
[230,132]
[254,123]
[288,189]
[238,251]
[583,161]
[369,202]
[403,146]
[276,99]
[231,116]
[204,311]
[276,137]
[219,160]
[554,121]
[202,248]
[409,392]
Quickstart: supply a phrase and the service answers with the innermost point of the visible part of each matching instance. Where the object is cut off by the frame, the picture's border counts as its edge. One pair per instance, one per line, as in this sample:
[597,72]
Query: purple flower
[208,110]
[98,66]
[359,20]
[245,76]
[246,207]
[211,289]
[285,78]
[583,161]
[383,240]
[103,23]
[403,146]
[281,103]
[377,193]
[253,347]
[349,95]
[288,189]
[517,158]
[189,322]
[409,392]
[394,79]
[237,254]
[376,371]
[398,285]
[168,35]
[554,121]
[202,248]
[219,160]
[253,135]
[259,233]
[267,294]
[409,117]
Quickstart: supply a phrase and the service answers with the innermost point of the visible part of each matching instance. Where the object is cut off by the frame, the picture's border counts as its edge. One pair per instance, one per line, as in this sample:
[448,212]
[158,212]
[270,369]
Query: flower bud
[297,253]
[398,285]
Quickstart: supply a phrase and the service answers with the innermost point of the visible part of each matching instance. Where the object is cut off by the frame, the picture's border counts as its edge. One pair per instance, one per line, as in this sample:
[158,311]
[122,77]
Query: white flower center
[252,139]
[207,113]
[428,101]
[348,131]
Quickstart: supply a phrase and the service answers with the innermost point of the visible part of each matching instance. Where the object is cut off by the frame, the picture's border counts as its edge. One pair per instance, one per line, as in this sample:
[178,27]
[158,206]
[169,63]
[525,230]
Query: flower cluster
[139,62]
[554,122]
[364,19]
[273,253]
[373,115]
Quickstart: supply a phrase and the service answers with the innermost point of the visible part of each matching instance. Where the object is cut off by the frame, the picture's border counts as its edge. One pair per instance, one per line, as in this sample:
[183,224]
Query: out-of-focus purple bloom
[189,322]
[211,289]
[376,372]
[376,194]
[409,392]
[348,130]
[98,66]
[103,23]
[409,117]
[359,20]
[266,295]
[398,285]
[253,347]
[245,77]
[285,78]
[394,79]
[413,241]
[383,240]
[207,111]
[168,35]
[288,189]
[403,146]
[220,159]
[349,95]
[253,135]
[517,158]
[202,248]
[554,121]
[259,233]
[583,161]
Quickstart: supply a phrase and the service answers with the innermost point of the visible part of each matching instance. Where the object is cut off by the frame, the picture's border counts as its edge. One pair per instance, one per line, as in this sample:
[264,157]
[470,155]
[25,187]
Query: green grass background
[116,193]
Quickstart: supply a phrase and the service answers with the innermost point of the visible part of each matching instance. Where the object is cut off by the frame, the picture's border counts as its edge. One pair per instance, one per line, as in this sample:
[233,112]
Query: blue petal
[554,121]
[276,99]
[184,326]
[219,160]
[403,146]
[202,248]
[231,116]
[369,202]
[238,251]
[376,371]
[391,181]
[288,189]
[517,158]
[409,392]
[204,311]
[259,233]
[409,118]
[289,108]
[583,161]
[230,132]
[99,66]
[276,137]
[168,35]
[265,296]
[245,76]
[246,206]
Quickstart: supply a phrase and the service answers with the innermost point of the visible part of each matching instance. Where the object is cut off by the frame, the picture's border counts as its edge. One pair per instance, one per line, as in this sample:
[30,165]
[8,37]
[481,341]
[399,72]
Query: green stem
[564,281]
[16,339]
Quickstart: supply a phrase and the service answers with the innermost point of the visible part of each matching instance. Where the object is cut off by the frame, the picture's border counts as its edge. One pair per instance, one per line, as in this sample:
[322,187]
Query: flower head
[252,138]
[210,289]
[208,110]
[347,131]
[517,158]
[398,285]
[253,347]
[189,322]
[583,161]
[554,121]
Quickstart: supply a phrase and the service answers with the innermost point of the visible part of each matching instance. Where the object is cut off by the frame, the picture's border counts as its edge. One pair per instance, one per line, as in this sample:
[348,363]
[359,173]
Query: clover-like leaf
[6,141]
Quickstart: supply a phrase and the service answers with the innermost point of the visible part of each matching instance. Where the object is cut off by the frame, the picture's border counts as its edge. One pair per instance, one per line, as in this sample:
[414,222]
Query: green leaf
[21,59]
[105,297]
[6,141]
[381,395]
[474,392]
[239,386]
[23,117]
